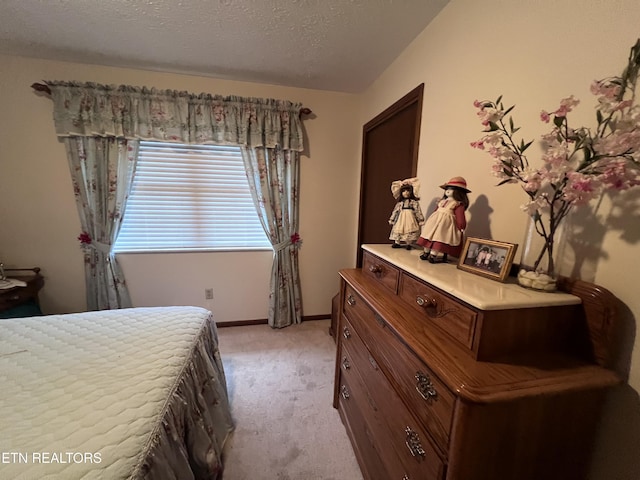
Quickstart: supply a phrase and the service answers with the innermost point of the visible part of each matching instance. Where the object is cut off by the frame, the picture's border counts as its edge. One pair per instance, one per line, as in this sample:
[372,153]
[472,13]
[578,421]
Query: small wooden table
[15,301]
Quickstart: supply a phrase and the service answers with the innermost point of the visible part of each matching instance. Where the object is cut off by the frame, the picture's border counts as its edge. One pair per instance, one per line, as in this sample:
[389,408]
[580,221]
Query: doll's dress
[406,227]
[440,231]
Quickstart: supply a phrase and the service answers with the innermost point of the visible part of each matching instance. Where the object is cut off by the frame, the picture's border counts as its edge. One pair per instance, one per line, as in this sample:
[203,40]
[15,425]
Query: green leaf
[525,146]
[493,127]
[509,109]
[499,99]
[511,124]
[503,182]
[558,121]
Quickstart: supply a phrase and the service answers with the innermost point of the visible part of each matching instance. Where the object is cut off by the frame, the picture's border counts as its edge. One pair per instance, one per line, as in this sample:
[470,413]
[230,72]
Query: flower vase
[538,266]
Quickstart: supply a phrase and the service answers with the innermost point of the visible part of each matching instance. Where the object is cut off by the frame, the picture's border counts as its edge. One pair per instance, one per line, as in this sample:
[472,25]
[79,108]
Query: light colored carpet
[281,389]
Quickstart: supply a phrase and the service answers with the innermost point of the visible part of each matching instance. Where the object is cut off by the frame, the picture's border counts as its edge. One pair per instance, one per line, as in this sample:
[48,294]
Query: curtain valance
[91,109]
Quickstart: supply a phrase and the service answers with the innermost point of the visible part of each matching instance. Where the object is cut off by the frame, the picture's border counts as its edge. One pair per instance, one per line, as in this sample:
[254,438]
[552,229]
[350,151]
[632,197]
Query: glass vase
[541,261]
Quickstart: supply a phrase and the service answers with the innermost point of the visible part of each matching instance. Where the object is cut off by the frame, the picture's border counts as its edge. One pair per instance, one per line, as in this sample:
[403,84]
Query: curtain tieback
[100,247]
[282,245]
[294,240]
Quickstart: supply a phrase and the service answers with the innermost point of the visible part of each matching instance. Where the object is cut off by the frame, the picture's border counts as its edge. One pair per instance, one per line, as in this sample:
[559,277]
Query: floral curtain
[266,127]
[274,180]
[102,172]
[89,109]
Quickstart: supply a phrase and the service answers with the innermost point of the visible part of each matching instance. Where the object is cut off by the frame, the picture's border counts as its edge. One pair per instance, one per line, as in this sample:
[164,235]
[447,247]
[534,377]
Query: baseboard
[242,323]
[264,321]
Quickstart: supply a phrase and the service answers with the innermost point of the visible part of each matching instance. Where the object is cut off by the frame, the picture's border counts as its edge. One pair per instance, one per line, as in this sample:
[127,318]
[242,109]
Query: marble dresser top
[477,291]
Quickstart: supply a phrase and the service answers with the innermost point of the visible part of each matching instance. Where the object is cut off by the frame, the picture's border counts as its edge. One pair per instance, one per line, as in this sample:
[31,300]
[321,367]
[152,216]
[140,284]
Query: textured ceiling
[339,45]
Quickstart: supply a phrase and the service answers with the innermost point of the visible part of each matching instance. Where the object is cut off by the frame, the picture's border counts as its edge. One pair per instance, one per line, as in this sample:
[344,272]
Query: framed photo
[487,258]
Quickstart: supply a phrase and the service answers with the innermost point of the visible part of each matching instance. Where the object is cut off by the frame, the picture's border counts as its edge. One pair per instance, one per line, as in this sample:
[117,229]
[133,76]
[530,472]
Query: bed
[119,394]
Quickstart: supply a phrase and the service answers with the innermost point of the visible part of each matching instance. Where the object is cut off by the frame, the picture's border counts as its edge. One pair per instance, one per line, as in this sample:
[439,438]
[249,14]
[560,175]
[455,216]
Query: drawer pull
[413,443]
[373,363]
[406,477]
[426,303]
[424,386]
[346,333]
[431,307]
[345,363]
[351,300]
[344,391]
[376,270]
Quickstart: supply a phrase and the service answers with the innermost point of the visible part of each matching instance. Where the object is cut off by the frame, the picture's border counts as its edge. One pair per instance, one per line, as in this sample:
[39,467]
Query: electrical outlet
[208,293]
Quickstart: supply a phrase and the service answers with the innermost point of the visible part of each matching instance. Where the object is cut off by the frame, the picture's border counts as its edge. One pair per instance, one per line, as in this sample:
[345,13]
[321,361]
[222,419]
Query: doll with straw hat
[443,231]
[406,217]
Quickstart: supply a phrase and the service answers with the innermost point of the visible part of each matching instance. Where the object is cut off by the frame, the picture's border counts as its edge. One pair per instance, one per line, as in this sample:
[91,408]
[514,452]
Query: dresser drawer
[450,316]
[363,439]
[430,400]
[381,271]
[405,446]
[374,428]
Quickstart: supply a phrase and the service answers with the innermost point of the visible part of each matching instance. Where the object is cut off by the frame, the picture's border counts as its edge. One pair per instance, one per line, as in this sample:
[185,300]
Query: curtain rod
[41,87]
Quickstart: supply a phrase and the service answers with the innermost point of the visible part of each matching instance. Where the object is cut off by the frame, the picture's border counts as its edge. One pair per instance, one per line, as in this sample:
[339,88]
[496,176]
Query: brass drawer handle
[345,363]
[373,363]
[431,307]
[376,270]
[406,477]
[344,391]
[424,387]
[413,443]
[346,333]
[351,300]
[426,303]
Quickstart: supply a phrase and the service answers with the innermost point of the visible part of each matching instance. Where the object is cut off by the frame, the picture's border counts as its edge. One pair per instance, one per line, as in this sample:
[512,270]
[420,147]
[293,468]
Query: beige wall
[534,53]
[39,222]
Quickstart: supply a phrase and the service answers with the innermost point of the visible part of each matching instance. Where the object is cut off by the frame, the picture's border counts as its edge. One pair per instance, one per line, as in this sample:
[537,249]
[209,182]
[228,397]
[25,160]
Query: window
[189,198]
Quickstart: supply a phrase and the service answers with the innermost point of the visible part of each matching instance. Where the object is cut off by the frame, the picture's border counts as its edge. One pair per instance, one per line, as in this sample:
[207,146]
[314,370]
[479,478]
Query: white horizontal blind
[190,197]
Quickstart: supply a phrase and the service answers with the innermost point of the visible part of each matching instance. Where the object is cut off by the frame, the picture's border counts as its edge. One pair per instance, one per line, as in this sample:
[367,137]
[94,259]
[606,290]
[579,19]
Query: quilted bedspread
[132,393]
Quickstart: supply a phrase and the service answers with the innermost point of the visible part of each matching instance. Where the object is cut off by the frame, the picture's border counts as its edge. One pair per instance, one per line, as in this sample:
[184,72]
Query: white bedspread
[88,395]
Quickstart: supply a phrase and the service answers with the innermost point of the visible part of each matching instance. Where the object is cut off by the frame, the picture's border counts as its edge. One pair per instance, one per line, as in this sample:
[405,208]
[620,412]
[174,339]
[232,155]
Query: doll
[442,232]
[406,218]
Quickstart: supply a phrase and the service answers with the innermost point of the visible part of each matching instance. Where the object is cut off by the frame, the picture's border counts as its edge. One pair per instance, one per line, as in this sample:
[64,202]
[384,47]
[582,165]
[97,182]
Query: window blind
[188,198]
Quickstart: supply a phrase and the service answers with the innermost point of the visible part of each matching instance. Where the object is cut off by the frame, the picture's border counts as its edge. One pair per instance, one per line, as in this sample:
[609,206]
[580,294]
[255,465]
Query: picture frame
[488,258]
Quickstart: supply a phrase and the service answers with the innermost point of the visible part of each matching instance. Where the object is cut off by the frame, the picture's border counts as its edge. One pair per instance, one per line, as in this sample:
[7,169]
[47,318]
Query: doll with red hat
[442,232]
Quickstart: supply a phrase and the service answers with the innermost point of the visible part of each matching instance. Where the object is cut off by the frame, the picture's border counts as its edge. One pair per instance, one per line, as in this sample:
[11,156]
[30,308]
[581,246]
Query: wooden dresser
[442,374]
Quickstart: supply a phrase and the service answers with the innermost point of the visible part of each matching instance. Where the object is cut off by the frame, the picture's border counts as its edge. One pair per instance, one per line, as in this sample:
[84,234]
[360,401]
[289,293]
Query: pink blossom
[545,116]
[622,105]
[566,106]
[502,171]
[532,180]
[493,138]
[580,188]
[490,114]
[605,88]
[578,163]
[617,176]
[618,143]
[537,205]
